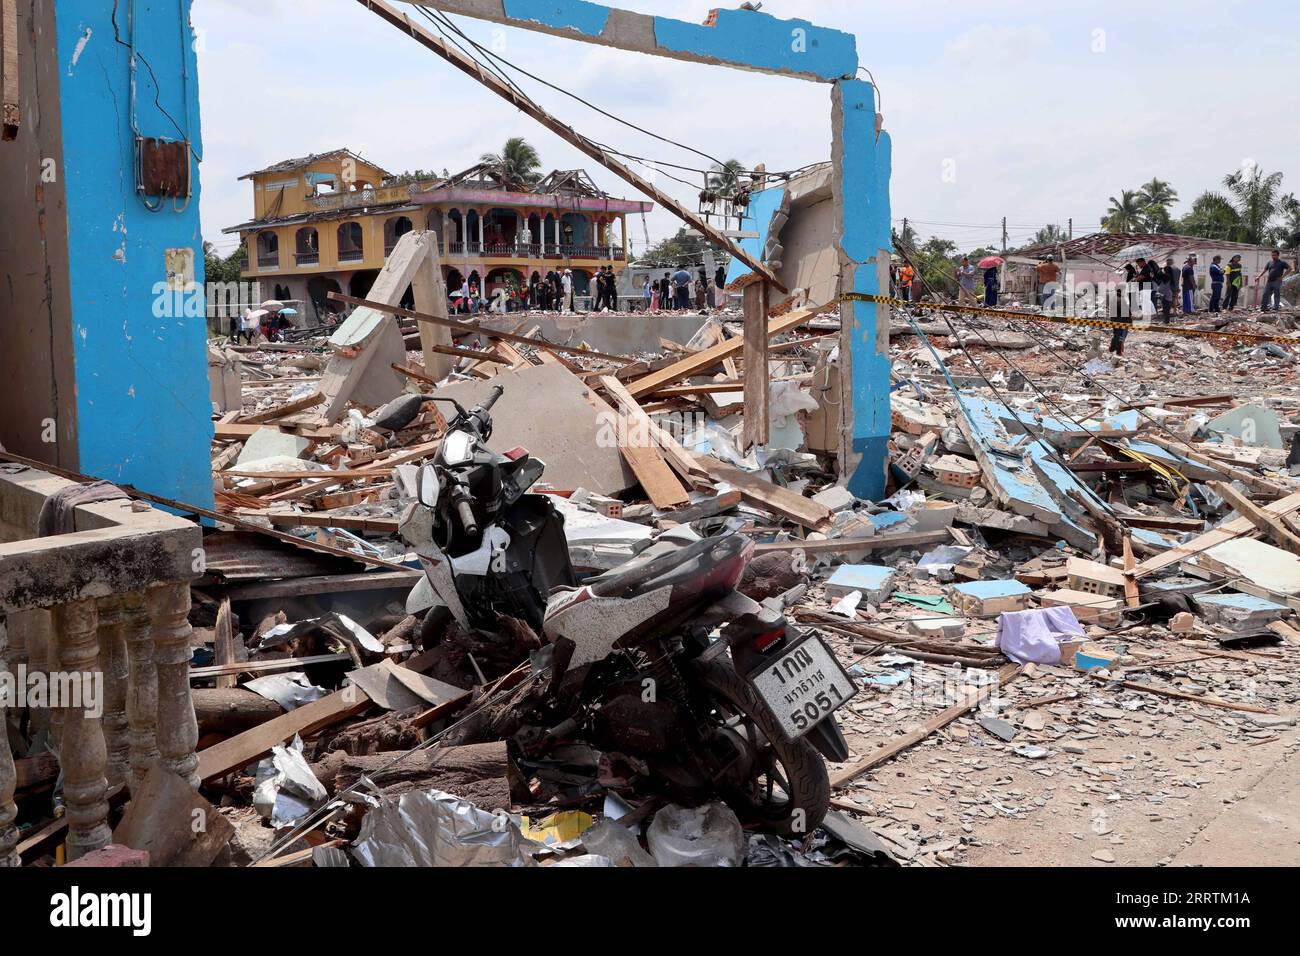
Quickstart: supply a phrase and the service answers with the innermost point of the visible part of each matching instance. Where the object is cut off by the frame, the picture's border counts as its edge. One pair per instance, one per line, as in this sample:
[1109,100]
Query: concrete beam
[742,39]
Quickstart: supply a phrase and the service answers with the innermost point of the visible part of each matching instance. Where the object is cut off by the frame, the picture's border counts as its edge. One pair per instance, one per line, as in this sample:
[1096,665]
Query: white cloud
[1040,128]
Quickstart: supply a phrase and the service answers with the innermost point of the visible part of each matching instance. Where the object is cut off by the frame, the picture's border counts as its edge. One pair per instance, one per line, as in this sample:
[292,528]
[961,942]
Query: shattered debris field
[1065,635]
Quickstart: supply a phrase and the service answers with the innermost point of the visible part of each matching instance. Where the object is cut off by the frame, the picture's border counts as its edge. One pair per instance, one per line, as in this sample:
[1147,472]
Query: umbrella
[1142,250]
[288,311]
[258,314]
[272,305]
[991,262]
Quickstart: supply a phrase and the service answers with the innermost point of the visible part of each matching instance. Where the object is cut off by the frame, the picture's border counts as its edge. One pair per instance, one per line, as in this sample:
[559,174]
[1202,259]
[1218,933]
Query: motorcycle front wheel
[788,791]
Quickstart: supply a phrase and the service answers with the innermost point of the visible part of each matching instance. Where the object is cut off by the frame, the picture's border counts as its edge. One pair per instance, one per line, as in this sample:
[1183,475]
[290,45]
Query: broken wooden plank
[1225,532]
[284,411]
[325,584]
[1195,698]
[276,666]
[1271,525]
[897,745]
[223,644]
[681,460]
[701,361]
[1250,480]
[764,494]
[878,542]
[637,448]
[241,750]
[347,522]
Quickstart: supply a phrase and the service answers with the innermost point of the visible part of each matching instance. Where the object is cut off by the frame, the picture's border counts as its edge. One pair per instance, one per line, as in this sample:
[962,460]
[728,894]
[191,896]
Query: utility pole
[904,233]
[1071,229]
[1004,235]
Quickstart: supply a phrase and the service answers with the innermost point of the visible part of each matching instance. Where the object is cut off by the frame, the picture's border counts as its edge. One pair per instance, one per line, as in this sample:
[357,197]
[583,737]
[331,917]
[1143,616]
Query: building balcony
[352,255]
[270,260]
[307,258]
[533,251]
[102,605]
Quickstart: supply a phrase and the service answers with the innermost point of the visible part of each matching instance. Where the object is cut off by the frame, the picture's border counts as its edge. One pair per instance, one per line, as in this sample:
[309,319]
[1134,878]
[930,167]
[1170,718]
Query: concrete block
[874,582]
[1089,608]
[987,599]
[835,498]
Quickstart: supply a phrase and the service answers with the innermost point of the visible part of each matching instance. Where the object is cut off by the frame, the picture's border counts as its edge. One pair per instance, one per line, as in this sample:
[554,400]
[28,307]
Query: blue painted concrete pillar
[143,415]
[861,170]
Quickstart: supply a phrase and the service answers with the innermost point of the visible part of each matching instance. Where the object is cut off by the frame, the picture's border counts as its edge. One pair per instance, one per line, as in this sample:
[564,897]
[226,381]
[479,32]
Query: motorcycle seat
[656,569]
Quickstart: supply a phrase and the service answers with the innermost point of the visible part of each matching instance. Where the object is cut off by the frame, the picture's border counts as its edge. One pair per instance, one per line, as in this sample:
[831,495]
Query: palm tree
[1212,217]
[1051,233]
[1257,199]
[1125,213]
[724,179]
[517,165]
[1288,232]
[1156,197]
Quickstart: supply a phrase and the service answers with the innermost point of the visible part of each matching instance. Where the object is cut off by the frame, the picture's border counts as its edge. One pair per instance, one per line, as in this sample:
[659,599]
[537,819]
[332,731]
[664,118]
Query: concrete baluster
[8,775]
[82,753]
[142,688]
[113,663]
[178,729]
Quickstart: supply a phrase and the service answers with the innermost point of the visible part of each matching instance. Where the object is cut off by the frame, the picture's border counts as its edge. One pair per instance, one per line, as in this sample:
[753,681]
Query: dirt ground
[1129,778]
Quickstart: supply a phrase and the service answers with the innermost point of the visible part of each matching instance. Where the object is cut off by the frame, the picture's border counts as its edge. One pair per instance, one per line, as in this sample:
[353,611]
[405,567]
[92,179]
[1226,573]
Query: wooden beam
[706,359]
[325,584]
[892,748]
[764,494]
[223,644]
[877,542]
[1248,479]
[681,460]
[242,749]
[220,671]
[1271,525]
[1227,531]
[469,328]
[10,100]
[494,83]
[301,405]
[757,426]
[636,446]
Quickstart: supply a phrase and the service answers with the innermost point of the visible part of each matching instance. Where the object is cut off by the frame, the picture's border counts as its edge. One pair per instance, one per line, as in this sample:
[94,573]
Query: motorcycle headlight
[457,448]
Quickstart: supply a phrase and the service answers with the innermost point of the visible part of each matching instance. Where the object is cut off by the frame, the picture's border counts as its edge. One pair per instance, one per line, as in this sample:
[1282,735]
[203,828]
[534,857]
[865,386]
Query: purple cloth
[1034,637]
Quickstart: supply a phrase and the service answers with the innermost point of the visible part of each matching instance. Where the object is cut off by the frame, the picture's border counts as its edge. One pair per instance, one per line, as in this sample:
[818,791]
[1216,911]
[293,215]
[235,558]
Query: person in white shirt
[566,282]
[252,325]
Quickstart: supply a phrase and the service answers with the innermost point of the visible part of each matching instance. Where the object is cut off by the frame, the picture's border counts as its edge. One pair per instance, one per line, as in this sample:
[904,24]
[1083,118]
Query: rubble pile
[1075,601]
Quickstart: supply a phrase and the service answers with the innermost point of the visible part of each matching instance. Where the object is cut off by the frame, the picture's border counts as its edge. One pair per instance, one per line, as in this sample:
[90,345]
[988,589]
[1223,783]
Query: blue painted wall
[757,39]
[143,413]
[866,168]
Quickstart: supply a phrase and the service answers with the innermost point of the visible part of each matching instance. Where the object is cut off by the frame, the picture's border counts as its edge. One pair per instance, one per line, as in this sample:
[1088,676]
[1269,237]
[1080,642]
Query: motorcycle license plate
[804,686]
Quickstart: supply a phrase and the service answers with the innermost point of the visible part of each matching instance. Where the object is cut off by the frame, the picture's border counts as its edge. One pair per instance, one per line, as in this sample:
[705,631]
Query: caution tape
[1139,325]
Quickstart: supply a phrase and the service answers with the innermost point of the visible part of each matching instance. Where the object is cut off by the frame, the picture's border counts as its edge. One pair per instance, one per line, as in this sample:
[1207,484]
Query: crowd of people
[1159,285]
[681,292]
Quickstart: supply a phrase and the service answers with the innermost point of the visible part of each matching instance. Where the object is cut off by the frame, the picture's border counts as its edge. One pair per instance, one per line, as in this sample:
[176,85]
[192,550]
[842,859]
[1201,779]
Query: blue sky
[1038,112]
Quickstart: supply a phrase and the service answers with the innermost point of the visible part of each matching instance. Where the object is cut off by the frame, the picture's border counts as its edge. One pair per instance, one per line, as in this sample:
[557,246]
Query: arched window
[307,246]
[268,250]
[351,242]
[395,229]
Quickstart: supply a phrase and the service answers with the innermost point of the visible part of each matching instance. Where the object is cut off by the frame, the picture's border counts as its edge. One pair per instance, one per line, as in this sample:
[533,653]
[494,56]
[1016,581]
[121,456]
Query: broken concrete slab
[1253,424]
[1239,613]
[172,822]
[545,409]
[272,443]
